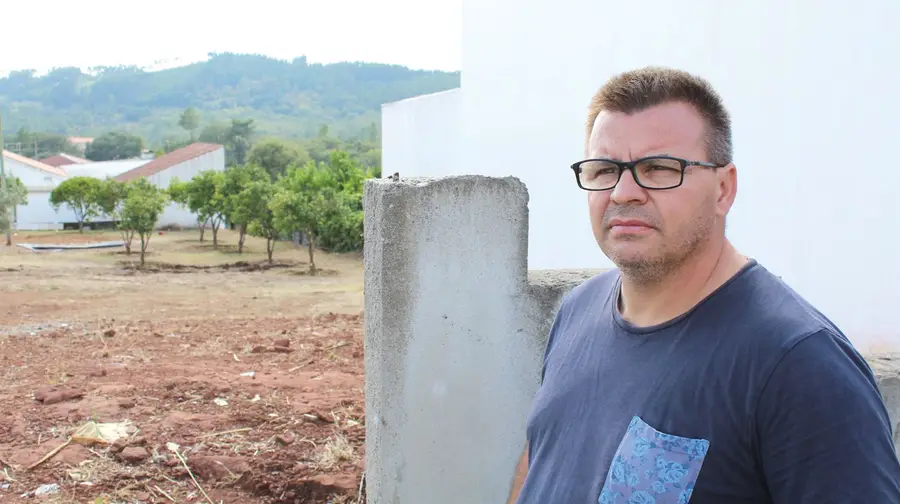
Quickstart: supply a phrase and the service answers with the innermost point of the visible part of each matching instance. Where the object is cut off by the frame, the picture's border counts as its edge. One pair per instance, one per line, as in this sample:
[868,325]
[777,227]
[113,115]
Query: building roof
[80,140]
[104,169]
[37,165]
[169,160]
[63,159]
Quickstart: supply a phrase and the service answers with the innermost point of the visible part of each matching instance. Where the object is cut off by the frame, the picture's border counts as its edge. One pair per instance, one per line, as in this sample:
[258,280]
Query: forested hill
[286,99]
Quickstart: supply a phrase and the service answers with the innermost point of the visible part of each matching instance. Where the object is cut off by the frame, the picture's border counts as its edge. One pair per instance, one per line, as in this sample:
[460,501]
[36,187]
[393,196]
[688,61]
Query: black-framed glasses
[654,173]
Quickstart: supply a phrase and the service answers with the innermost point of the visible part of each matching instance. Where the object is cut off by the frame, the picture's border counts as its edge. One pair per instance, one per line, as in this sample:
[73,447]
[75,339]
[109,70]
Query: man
[691,373]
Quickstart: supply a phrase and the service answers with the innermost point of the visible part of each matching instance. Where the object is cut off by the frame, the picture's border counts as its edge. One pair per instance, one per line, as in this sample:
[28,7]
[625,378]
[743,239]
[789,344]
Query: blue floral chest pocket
[652,467]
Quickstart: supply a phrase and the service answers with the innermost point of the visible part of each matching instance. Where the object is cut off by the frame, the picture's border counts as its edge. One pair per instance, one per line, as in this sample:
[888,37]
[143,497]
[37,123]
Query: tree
[16,194]
[371,134]
[215,132]
[275,155]
[141,210]
[172,144]
[343,231]
[179,193]
[205,199]
[190,121]
[320,148]
[114,145]
[235,180]
[38,145]
[111,197]
[81,195]
[307,197]
[238,140]
[253,206]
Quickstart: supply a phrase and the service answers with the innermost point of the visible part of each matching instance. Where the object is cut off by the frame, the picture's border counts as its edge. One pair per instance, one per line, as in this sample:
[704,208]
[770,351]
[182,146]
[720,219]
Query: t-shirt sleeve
[823,430]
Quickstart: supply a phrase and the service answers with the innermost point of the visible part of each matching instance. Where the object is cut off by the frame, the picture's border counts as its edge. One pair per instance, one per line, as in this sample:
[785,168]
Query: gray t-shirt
[753,396]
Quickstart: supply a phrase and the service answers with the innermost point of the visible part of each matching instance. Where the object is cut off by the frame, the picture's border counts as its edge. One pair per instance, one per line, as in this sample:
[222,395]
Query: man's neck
[651,304]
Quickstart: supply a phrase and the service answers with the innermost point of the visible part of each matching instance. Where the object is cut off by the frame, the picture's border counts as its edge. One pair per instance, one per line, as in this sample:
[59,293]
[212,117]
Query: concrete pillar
[453,346]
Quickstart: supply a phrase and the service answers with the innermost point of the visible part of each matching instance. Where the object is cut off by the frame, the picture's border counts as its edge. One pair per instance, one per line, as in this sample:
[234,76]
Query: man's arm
[519,477]
[824,432]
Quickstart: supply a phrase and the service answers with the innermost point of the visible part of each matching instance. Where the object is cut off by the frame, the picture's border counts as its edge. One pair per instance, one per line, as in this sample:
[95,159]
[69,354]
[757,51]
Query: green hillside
[285,99]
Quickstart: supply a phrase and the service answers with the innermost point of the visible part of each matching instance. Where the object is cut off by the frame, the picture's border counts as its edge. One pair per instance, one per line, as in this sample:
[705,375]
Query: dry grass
[97,470]
[173,247]
[343,499]
[39,285]
[336,451]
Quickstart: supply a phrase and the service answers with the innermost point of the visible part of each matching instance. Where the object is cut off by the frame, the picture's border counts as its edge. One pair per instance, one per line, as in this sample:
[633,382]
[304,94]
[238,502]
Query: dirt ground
[225,379]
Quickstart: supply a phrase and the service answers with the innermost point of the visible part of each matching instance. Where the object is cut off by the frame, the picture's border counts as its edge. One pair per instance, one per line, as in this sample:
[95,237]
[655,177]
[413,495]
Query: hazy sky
[84,33]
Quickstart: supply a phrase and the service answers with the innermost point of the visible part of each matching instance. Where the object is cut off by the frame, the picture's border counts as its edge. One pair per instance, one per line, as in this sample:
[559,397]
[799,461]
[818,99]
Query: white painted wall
[420,136]
[37,213]
[103,169]
[810,88]
[175,214]
[30,176]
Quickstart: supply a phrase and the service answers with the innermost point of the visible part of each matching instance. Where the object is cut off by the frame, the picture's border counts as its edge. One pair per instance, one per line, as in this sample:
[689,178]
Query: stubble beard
[651,266]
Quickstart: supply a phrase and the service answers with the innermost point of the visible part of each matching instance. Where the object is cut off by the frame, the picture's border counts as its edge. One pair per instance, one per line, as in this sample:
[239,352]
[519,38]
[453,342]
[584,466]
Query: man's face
[650,232]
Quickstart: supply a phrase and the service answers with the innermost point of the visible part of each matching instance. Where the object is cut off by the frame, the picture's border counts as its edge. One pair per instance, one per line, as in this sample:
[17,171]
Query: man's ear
[727,187]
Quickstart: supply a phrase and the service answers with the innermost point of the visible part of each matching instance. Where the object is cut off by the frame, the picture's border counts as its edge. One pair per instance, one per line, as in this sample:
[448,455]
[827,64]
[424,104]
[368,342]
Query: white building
[183,164]
[39,179]
[810,87]
[103,169]
[420,135]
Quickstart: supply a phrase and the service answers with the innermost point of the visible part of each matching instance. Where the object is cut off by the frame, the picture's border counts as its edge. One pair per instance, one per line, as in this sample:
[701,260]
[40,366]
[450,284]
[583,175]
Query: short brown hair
[639,89]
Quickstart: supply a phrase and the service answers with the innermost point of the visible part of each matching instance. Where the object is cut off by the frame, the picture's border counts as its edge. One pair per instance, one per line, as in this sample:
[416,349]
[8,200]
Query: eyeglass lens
[655,173]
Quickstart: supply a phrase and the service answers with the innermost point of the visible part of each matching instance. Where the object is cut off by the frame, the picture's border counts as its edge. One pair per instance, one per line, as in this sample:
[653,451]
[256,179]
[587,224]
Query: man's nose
[628,190]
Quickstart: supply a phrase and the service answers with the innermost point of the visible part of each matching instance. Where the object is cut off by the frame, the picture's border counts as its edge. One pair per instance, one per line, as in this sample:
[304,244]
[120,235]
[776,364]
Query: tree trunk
[81,226]
[127,236]
[270,247]
[215,231]
[145,241]
[202,224]
[312,262]
[243,230]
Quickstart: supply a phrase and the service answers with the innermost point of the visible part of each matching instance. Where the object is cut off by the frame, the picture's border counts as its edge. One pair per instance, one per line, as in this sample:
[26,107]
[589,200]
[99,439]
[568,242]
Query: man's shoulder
[769,318]
[767,306]
[600,285]
[593,292]
[804,376]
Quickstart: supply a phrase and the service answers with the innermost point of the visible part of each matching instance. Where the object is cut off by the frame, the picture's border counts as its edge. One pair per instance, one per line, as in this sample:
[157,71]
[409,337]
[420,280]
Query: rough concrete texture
[887,369]
[455,329]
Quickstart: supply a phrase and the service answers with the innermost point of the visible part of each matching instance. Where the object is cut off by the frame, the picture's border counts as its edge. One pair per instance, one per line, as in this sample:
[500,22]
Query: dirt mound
[319,272]
[239,266]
